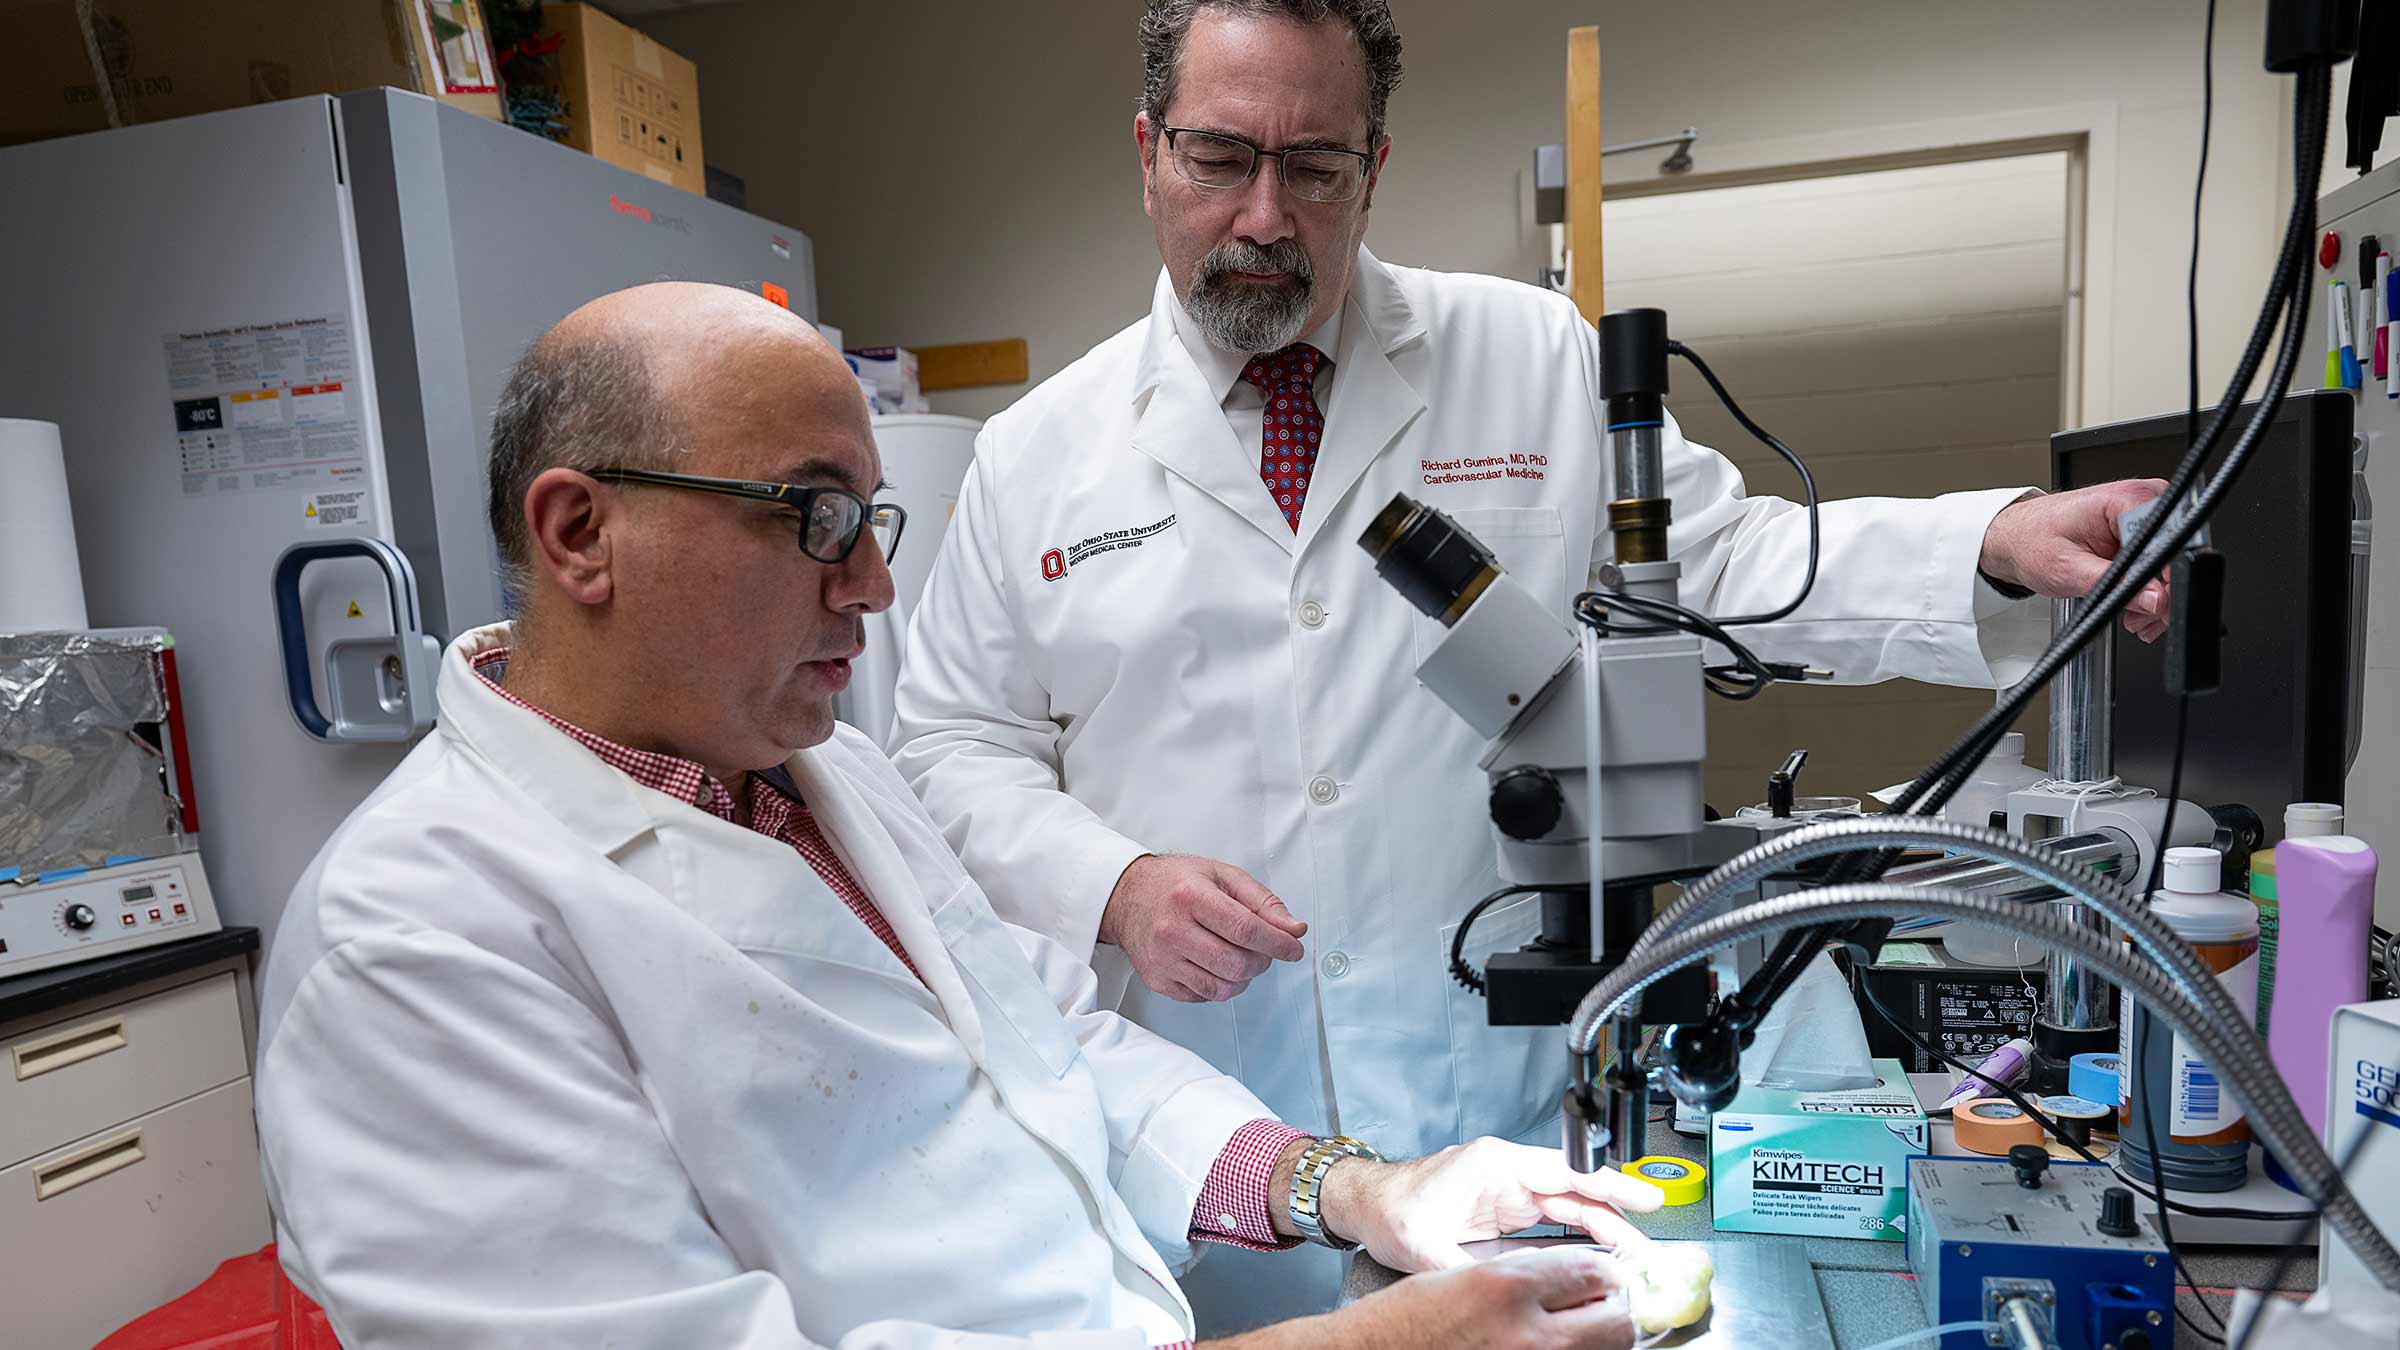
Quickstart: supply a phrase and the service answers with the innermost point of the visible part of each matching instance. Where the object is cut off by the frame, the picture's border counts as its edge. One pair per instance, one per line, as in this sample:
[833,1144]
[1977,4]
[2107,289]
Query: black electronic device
[2279,728]
[1966,1011]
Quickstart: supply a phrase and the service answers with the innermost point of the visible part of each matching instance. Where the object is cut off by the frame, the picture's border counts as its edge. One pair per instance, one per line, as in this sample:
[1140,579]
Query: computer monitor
[2278,728]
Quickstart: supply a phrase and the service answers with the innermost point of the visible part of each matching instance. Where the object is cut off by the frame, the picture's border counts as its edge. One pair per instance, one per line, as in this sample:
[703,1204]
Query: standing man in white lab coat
[642,1006]
[1157,697]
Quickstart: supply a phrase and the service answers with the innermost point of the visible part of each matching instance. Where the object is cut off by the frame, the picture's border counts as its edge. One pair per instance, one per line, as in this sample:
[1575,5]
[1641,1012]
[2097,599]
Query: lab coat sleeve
[1898,594]
[1170,1113]
[462,1156]
[974,736]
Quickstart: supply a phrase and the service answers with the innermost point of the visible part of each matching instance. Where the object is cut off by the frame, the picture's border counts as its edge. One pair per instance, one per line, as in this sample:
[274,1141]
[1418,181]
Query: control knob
[1527,803]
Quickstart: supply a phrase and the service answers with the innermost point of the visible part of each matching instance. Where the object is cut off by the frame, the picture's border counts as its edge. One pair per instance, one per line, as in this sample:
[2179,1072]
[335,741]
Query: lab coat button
[1312,614]
[1321,790]
[1335,965]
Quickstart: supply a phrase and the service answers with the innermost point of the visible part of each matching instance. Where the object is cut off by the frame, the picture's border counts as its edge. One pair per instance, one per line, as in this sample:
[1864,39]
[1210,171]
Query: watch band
[1308,1182]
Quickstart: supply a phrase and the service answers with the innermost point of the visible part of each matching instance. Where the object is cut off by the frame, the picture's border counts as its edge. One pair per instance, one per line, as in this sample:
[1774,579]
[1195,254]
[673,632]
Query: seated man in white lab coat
[644,1006]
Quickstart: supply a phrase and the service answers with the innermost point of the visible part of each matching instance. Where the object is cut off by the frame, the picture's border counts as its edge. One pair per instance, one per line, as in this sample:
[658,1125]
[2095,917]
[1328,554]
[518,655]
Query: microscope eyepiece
[1425,556]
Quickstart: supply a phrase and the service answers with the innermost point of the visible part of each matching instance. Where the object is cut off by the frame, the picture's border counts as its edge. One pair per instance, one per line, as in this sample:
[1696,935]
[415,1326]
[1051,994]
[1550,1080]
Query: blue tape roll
[2094,1078]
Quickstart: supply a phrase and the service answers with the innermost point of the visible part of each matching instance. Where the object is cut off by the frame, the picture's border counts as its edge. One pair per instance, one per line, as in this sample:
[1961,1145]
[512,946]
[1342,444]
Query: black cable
[2139,1067]
[1808,487]
[2283,1261]
[1746,676]
[2202,1299]
[1459,969]
[2191,282]
[2288,299]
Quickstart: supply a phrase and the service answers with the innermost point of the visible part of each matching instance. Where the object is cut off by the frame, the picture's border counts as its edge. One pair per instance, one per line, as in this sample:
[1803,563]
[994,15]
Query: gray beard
[1245,320]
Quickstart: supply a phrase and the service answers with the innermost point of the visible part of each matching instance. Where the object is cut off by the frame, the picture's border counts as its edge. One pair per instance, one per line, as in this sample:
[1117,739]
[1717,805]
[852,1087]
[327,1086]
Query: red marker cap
[2329,252]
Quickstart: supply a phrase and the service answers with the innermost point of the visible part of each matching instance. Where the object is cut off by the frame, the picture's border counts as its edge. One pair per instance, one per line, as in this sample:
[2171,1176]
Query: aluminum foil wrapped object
[82,773]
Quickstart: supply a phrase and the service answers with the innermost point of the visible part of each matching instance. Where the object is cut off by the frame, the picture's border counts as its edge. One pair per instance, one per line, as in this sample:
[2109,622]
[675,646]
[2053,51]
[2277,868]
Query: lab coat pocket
[1003,978]
[1507,1078]
[1531,544]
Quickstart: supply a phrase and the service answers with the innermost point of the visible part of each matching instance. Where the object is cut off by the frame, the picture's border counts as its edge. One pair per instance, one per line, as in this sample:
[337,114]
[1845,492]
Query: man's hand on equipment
[2058,545]
[1413,1215]
[1555,1298]
[1197,930]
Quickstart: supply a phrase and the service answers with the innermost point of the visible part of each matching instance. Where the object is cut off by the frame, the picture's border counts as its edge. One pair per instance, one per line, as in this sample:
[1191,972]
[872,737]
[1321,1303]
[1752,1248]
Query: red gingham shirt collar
[682,779]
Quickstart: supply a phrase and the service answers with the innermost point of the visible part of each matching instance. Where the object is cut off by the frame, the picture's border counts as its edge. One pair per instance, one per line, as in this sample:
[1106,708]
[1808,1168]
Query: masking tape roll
[1683,1180]
[2093,1077]
[2077,1117]
[1993,1125]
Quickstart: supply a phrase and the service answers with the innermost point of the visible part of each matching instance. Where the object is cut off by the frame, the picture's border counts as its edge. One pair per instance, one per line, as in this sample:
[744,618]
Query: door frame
[2086,133]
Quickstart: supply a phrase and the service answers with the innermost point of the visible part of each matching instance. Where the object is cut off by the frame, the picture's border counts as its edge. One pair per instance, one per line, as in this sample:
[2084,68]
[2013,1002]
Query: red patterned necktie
[1292,424]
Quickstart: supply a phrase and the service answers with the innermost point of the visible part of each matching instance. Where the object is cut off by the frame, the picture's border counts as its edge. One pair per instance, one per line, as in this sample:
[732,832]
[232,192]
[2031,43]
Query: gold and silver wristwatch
[1308,1187]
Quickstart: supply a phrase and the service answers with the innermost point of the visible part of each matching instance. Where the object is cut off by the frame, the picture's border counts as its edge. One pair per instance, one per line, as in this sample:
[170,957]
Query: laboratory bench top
[41,991]
[1868,1292]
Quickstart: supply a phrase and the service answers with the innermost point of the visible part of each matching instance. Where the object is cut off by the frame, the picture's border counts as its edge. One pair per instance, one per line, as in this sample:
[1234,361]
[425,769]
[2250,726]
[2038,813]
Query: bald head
[633,379]
[674,615]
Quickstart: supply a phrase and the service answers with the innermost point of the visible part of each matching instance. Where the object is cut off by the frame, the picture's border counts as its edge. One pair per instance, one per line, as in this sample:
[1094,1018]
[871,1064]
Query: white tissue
[1812,1039]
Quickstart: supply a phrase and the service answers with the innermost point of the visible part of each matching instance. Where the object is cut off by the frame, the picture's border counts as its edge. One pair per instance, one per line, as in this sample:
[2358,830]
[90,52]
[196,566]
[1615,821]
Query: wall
[967,170]
[1902,331]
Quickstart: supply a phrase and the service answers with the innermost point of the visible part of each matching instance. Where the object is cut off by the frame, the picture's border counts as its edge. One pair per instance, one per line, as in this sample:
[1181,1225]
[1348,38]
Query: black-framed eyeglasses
[834,517]
[1216,162]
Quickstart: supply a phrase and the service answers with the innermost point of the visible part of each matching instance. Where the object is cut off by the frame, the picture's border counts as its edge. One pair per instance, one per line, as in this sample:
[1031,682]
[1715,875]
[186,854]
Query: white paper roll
[41,579]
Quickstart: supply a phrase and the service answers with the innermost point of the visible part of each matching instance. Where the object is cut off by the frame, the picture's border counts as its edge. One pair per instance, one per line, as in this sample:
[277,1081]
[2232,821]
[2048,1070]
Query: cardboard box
[88,65]
[1820,1164]
[890,375]
[625,99]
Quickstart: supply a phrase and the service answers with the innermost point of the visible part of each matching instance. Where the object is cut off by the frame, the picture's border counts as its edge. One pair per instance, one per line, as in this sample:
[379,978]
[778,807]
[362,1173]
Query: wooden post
[1583,169]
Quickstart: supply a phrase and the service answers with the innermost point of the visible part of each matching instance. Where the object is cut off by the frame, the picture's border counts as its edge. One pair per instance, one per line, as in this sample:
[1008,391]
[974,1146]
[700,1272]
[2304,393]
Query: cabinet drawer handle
[37,1057]
[113,1155]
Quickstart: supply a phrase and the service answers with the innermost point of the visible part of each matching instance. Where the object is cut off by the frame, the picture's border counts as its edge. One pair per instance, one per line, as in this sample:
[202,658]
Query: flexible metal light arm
[2229,1044]
[1704,897]
[2102,893]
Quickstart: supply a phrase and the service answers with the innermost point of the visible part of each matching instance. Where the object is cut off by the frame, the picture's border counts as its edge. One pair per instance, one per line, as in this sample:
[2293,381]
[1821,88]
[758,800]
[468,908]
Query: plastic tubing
[1932,1333]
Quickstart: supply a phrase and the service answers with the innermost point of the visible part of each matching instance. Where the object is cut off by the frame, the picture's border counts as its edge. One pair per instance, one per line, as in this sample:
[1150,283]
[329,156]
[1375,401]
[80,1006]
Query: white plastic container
[2203,1138]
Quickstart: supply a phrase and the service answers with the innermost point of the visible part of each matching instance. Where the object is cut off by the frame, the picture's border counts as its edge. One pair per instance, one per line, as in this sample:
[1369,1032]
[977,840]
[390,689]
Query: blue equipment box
[1977,1236]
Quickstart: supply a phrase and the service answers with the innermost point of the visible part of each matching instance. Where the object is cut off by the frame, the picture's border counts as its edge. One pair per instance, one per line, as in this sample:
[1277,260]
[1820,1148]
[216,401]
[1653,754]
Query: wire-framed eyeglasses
[833,518]
[1217,162]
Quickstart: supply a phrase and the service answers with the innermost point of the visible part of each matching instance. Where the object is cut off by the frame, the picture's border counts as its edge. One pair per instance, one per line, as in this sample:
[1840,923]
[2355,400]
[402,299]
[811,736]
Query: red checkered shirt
[1233,1200]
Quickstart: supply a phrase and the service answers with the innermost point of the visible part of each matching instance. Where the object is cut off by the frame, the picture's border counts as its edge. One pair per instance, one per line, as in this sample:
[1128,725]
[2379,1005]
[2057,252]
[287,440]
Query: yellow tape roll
[1683,1180]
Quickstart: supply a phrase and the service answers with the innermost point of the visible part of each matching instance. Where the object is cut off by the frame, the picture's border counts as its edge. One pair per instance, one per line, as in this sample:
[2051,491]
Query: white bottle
[2203,1140]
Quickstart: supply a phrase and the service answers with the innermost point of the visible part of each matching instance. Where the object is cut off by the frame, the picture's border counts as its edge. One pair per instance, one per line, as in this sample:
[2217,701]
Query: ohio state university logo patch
[1056,562]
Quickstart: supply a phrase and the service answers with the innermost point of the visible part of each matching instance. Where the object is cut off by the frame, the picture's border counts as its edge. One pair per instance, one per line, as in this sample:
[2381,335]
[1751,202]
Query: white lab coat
[548,1058]
[1196,679]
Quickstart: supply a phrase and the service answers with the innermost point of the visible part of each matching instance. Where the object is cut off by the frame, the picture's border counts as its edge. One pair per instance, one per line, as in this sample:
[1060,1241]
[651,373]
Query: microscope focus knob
[1527,803]
[2030,1160]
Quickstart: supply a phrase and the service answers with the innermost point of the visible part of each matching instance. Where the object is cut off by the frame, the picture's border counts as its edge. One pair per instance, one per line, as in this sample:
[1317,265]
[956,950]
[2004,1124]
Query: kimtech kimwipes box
[1823,1164]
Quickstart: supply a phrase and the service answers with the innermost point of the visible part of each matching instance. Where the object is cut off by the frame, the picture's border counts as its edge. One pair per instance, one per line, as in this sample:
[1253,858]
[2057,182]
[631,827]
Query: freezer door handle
[381,687]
